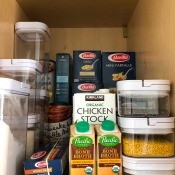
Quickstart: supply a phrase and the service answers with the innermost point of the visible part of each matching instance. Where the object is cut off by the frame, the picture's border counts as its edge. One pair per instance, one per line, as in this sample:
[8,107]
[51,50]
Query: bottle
[109,149]
[82,149]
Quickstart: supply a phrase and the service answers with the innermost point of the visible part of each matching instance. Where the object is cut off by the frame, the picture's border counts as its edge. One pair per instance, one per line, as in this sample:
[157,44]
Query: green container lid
[108,125]
[82,126]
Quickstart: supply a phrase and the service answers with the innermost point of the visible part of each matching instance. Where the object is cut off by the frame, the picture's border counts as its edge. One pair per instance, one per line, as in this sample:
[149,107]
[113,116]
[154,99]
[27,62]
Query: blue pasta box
[87,66]
[62,89]
[85,87]
[51,159]
[117,66]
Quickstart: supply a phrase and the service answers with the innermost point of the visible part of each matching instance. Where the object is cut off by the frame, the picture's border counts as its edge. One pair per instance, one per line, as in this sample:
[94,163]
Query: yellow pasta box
[82,149]
[109,149]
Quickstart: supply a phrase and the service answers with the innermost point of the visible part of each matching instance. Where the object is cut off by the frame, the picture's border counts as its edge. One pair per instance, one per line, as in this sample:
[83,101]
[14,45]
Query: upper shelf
[79,13]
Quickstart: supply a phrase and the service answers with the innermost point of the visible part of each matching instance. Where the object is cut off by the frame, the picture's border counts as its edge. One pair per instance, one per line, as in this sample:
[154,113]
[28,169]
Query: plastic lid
[102,91]
[25,31]
[82,126]
[149,163]
[149,172]
[19,65]
[33,118]
[147,125]
[108,125]
[14,86]
[145,85]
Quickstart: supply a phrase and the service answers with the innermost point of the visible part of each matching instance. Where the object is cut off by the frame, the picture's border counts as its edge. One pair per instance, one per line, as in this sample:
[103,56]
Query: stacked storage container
[26,67]
[147,127]
[13,125]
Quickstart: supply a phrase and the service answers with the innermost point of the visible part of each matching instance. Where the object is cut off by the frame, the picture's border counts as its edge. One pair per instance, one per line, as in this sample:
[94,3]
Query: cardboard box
[85,87]
[94,107]
[82,153]
[62,90]
[87,66]
[117,66]
[109,151]
[55,154]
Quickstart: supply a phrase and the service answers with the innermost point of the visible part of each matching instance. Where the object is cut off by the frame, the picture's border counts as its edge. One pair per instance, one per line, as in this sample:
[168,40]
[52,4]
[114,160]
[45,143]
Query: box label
[94,108]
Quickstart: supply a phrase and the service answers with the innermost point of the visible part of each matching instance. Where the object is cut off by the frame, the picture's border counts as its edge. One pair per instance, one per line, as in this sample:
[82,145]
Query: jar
[30,40]
[143,98]
[32,135]
[147,137]
[150,166]
[59,121]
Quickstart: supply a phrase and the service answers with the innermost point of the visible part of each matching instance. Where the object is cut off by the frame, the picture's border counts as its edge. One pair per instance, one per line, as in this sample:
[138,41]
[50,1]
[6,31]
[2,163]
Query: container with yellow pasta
[147,137]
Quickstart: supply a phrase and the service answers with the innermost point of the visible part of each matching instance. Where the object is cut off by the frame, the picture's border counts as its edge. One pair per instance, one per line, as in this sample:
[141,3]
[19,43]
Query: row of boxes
[106,69]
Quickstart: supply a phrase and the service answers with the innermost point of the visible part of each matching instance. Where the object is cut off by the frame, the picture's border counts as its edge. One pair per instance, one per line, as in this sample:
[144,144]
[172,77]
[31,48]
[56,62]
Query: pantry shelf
[86,13]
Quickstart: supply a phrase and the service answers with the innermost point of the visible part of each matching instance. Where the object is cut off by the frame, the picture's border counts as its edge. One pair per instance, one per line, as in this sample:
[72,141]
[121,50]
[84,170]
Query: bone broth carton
[109,149]
[82,149]
[94,107]
[87,66]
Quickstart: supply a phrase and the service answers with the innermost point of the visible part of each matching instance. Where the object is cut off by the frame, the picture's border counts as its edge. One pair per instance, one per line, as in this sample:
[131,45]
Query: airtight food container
[42,107]
[30,40]
[147,137]
[24,70]
[143,98]
[148,166]
[13,125]
[32,135]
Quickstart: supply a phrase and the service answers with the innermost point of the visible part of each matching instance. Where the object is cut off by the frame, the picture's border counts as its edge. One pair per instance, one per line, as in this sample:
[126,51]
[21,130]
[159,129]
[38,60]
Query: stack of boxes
[29,53]
[147,127]
[87,71]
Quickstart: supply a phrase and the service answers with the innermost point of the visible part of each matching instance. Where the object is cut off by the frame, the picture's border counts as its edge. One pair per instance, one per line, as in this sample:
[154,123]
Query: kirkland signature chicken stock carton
[117,66]
[87,66]
[94,107]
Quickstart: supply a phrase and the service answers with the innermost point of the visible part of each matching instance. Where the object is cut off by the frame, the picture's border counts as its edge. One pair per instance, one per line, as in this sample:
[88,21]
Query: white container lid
[146,125]
[14,86]
[102,91]
[149,163]
[145,85]
[32,120]
[147,172]
[25,29]
[20,65]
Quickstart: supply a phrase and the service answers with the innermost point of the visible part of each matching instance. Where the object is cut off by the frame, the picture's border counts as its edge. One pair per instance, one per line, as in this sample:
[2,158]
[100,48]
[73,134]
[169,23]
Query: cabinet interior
[149,27]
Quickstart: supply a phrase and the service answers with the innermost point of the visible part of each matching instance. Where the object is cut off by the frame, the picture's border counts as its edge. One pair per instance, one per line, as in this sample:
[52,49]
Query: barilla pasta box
[117,66]
[94,107]
[87,66]
[85,87]
[50,159]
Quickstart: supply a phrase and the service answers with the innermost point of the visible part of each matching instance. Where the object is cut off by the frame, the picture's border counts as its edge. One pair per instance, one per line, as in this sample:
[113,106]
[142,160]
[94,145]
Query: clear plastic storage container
[13,125]
[143,98]
[23,70]
[151,166]
[32,135]
[147,137]
[30,40]
[42,107]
